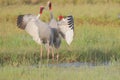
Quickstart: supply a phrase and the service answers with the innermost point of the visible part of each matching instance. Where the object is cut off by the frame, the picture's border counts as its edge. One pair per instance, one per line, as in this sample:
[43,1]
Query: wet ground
[77,64]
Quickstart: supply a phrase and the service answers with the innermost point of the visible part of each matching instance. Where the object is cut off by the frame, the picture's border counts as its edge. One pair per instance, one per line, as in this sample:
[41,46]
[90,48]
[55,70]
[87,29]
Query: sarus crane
[64,28]
[40,31]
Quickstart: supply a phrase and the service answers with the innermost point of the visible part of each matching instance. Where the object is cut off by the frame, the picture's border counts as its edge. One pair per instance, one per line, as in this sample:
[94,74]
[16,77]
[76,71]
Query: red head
[50,5]
[60,17]
[41,9]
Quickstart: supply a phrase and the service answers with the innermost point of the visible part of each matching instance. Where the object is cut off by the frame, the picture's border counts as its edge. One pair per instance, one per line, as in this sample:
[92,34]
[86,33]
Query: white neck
[38,16]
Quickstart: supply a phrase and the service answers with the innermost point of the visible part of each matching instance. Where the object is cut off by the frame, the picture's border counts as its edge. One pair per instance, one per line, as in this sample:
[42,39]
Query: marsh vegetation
[96,40]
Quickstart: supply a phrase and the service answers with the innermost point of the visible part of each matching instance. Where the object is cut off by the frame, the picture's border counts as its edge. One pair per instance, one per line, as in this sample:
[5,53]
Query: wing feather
[66,27]
[32,29]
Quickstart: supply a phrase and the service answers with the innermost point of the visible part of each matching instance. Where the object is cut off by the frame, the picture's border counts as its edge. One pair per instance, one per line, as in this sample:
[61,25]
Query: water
[76,64]
[73,64]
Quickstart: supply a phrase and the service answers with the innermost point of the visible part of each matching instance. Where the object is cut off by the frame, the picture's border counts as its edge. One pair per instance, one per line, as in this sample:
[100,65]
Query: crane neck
[38,16]
[51,14]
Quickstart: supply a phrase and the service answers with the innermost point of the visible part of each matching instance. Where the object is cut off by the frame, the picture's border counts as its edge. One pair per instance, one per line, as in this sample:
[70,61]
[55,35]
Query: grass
[13,2]
[91,43]
[54,73]
[96,40]
[96,34]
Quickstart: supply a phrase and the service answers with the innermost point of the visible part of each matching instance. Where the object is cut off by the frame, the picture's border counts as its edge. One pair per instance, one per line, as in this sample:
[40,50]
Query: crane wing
[32,29]
[66,26]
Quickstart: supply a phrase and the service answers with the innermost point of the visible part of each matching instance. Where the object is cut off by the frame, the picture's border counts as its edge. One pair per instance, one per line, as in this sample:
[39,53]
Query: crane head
[60,17]
[41,9]
[50,5]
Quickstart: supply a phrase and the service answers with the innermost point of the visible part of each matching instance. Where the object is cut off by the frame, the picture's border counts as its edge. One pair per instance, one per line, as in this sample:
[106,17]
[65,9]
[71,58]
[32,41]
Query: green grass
[96,34]
[110,72]
[91,44]
[96,40]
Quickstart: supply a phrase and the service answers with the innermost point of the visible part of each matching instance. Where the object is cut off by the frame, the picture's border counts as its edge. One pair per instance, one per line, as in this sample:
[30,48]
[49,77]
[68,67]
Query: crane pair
[47,33]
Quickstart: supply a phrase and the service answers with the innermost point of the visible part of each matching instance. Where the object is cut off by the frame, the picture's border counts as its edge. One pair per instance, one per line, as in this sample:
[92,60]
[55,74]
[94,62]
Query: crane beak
[49,5]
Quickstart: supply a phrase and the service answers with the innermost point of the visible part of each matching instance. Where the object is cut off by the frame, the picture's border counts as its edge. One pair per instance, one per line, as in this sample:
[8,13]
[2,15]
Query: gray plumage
[65,28]
[54,25]
[40,31]
[48,34]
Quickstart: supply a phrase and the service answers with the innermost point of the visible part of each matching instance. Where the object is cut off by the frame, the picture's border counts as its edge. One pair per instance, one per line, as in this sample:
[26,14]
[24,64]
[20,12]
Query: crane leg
[52,54]
[41,53]
[57,56]
[48,52]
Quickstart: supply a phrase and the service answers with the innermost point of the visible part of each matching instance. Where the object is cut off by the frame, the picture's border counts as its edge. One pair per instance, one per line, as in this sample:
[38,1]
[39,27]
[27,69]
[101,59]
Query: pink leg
[52,54]
[57,57]
[41,53]
[48,52]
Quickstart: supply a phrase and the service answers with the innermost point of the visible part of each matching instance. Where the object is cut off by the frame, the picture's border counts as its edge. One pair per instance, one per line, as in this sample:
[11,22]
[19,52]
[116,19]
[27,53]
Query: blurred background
[14,2]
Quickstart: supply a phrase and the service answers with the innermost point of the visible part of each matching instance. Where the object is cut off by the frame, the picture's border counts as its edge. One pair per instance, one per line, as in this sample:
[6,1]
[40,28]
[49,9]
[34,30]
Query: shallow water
[76,64]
